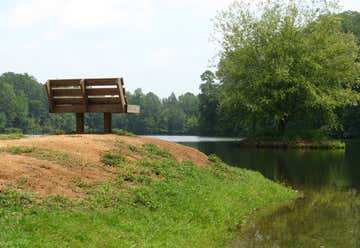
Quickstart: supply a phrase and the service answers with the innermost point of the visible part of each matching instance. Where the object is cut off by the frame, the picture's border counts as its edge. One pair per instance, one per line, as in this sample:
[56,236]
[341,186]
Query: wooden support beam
[120,83]
[84,95]
[50,96]
[80,122]
[107,123]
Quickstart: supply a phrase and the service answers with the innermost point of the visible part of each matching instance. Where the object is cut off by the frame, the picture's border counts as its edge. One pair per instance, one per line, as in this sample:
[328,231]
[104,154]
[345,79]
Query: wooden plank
[64,82]
[100,81]
[69,109]
[105,108]
[83,91]
[102,100]
[120,83]
[58,101]
[102,92]
[72,92]
[50,96]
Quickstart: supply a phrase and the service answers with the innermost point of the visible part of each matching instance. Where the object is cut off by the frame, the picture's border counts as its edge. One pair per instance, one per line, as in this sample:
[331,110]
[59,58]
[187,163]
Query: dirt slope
[46,177]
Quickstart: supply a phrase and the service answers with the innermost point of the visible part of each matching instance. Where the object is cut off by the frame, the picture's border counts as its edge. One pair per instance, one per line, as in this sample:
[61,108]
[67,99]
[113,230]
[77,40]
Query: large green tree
[286,65]
[350,115]
[209,104]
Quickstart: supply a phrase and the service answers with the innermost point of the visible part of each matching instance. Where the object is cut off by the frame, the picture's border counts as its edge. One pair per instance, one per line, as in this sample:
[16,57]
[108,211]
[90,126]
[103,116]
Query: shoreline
[301,144]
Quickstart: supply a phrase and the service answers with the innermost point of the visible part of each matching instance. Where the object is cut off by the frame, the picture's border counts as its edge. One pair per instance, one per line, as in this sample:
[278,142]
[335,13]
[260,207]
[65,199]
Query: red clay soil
[45,178]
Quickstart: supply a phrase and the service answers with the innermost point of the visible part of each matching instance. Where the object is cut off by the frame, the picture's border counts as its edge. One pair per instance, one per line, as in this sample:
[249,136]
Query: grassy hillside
[153,198]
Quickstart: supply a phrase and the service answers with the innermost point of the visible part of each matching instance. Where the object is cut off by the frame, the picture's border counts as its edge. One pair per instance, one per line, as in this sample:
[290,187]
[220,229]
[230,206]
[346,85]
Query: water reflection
[300,168]
[329,218]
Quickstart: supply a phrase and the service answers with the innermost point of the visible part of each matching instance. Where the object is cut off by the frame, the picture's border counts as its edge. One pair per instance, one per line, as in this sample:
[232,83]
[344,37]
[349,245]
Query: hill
[48,165]
[121,191]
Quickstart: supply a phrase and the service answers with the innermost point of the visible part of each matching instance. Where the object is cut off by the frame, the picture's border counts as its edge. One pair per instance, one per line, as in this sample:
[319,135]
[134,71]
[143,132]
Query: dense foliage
[287,67]
[350,115]
[23,106]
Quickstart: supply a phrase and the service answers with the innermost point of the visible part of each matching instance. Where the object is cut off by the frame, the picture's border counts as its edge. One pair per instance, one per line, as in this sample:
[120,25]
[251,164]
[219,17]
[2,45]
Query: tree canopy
[286,65]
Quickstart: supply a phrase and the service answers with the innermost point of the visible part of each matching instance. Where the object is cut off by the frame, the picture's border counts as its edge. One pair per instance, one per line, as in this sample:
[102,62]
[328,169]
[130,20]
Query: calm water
[328,215]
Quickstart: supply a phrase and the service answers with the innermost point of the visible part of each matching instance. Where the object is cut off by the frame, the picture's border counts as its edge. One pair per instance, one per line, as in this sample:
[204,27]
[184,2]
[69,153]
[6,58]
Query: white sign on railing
[134,109]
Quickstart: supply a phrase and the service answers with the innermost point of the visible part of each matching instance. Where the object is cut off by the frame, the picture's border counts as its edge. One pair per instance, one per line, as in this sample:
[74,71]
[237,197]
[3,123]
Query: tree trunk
[283,124]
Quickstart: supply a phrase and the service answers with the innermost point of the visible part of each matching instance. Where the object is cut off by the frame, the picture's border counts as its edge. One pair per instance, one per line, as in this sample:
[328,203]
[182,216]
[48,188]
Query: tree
[350,115]
[151,111]
[7,103]
[189,103]
[208,104]
[286,65]
[3,121]
[173,116]
[350,23]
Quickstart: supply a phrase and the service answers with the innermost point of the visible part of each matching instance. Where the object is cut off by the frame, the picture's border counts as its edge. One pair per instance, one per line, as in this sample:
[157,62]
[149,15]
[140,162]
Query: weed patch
[152,150]
[113,159]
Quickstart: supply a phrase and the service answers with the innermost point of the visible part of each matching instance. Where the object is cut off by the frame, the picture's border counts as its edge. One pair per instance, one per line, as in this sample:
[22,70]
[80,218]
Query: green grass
[11,136]
[113,159]
[154,151]
[155,201]
[62,158]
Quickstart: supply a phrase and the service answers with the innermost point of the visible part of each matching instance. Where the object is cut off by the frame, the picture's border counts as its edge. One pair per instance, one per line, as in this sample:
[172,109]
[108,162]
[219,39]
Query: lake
[328,215]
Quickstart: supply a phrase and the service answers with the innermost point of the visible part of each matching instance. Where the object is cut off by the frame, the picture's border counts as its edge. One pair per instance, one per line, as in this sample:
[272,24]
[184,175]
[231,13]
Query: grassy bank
[153,200]
[11,136]
[293,144]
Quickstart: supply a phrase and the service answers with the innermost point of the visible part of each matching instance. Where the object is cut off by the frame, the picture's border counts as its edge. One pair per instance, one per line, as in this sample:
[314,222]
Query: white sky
[158,45]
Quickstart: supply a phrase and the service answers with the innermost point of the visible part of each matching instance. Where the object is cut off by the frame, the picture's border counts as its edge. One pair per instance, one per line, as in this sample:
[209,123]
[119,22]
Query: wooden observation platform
[104,95]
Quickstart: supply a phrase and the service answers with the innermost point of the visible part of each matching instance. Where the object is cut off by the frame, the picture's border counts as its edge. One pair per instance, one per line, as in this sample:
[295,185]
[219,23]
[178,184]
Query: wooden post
[80,122]
[107,123]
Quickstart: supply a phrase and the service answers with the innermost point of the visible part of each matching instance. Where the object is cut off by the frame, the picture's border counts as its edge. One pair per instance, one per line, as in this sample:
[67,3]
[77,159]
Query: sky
[162,46]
